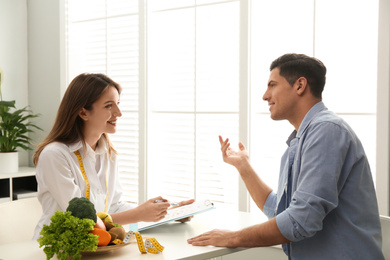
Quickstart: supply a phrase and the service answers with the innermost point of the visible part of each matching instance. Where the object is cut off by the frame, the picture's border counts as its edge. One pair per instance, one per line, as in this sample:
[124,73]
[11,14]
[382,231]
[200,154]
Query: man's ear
[301,85]
[83,114]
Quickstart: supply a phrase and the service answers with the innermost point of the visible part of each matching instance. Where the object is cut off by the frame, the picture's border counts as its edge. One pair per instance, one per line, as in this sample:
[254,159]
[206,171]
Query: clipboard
[176,213]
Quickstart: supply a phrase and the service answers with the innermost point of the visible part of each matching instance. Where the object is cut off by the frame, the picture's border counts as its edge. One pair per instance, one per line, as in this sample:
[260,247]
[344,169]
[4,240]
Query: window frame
[383,103]
[383,110]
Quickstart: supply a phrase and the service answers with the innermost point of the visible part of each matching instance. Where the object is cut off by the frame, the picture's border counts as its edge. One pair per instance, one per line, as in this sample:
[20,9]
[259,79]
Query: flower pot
[9,162]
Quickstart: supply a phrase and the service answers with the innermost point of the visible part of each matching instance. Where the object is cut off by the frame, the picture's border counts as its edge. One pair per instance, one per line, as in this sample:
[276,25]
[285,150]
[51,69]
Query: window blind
[103,38]
[192,82]
[193,90]
[347,44]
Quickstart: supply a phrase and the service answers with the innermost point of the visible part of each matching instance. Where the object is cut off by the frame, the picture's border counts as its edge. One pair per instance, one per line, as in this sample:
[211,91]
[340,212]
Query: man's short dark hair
[292,66]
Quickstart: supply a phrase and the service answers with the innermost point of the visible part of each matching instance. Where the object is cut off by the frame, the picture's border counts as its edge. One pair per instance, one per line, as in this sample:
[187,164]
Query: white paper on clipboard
[177,213]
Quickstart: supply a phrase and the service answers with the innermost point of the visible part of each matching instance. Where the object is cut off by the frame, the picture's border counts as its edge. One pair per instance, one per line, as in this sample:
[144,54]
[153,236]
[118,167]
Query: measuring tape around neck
[151,245]
[79,158]
[88,190]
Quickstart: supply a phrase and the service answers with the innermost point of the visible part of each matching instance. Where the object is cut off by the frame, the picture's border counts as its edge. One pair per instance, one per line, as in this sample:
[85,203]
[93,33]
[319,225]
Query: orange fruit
[104,236]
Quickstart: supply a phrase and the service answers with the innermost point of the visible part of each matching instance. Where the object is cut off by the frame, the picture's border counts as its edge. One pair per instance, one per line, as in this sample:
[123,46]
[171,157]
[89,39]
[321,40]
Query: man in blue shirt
[325,206]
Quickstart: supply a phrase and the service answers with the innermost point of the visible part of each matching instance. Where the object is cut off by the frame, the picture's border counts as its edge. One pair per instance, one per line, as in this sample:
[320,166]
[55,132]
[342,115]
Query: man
[325,206]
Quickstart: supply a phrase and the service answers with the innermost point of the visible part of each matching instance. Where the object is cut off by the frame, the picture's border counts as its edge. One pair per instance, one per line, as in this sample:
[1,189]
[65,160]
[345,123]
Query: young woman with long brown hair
[77,158]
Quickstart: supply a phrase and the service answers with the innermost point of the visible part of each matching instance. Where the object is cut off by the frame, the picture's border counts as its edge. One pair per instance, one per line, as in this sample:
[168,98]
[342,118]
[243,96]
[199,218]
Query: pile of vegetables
[67,236]
[72,232]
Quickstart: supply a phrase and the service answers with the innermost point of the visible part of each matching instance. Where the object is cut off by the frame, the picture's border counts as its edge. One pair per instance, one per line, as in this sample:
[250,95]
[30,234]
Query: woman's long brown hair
[82,92]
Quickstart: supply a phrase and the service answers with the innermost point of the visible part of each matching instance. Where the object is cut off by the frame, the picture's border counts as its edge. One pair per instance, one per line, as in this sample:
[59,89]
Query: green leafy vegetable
[82,208]
[67,236]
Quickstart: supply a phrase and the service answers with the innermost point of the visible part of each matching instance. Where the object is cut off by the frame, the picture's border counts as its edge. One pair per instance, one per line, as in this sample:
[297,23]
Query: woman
[77,158]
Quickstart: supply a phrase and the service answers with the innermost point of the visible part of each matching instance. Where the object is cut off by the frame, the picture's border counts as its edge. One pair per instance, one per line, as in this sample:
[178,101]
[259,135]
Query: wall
[13,55]
[32,55]
[46,60]
[383,110]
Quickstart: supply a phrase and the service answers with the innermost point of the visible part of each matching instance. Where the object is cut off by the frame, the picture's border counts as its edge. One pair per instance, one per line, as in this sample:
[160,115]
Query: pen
[172,203]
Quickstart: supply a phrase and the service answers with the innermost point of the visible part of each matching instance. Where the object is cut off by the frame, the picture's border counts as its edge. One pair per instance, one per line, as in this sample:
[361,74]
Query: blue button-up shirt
[326,203]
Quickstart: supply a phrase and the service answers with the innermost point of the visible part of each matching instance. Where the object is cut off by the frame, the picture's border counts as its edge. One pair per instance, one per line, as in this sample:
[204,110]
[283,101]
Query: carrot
[104,236]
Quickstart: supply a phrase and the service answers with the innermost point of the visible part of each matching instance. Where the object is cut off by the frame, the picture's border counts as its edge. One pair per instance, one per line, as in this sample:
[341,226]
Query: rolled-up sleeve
[317,175]
[270,205]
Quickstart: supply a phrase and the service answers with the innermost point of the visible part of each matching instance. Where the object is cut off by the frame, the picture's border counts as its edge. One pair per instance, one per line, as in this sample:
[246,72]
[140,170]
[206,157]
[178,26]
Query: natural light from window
[179,65]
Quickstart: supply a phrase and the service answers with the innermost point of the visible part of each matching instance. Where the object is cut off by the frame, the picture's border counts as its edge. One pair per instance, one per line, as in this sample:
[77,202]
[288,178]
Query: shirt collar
[320,106]
[75,146]
[291,137]
[101,148]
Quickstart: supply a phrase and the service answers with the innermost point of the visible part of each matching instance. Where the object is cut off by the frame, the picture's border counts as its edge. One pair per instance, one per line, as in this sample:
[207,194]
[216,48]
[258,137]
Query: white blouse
[60,179]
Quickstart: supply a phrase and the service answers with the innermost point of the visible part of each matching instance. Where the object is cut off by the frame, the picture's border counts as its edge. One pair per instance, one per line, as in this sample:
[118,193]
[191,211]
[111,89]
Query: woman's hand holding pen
[155,209]
[149,211]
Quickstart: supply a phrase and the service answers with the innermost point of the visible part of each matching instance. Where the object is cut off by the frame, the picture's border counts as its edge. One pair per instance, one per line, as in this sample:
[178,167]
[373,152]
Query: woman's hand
[182,203]
[149,211]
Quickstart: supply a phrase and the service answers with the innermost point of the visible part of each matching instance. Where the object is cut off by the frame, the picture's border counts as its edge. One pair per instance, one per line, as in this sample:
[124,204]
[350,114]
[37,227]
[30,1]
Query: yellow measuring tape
[88,191]
[151,245]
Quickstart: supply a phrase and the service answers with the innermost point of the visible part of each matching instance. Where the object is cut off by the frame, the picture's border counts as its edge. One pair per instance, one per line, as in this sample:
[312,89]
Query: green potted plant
[14,129]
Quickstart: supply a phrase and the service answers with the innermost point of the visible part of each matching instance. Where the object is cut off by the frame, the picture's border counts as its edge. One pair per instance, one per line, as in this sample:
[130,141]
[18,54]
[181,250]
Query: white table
[173,236]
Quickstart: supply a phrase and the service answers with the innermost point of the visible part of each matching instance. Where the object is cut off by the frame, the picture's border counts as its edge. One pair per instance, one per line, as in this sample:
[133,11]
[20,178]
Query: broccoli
[82,208]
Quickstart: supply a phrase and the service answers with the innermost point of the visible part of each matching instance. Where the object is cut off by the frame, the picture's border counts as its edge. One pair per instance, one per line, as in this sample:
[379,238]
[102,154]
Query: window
[193,96]
[179,63]
[103,37]
[346,43]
